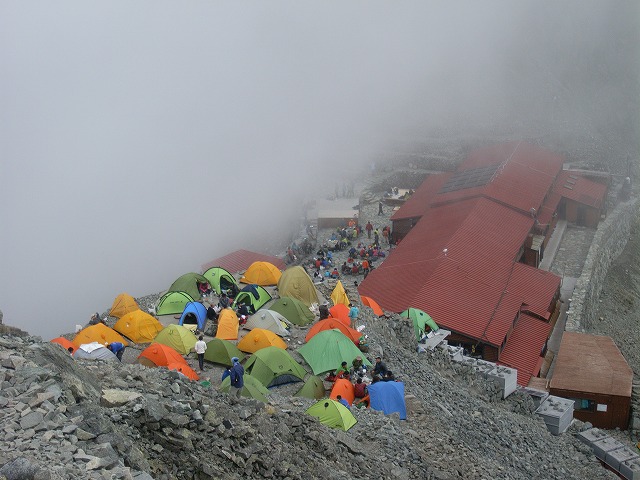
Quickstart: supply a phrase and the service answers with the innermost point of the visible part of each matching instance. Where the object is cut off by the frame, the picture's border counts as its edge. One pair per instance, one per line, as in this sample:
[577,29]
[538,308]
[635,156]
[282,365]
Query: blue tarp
[388,397]
[197,311]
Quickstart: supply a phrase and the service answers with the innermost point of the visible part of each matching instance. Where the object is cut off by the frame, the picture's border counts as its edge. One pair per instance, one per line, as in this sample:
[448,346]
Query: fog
[139,140]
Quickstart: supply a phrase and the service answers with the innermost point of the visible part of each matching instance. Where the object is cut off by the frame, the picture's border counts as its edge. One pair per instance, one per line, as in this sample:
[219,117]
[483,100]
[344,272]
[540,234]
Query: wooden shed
[591,371]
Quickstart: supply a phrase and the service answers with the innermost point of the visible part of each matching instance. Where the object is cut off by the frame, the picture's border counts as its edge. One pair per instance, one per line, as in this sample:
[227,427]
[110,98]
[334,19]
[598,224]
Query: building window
[583,405]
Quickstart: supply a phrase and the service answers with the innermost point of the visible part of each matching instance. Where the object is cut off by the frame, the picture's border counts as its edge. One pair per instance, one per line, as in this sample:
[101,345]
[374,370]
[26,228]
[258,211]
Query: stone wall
[609,242]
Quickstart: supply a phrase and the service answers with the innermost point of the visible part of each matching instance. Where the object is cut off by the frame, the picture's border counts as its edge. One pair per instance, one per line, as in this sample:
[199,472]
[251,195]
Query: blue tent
[194,313]
[388,397]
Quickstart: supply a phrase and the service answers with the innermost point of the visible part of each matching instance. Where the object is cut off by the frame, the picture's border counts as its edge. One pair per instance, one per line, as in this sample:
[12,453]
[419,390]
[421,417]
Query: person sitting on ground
[224,300]
[343,401]
[331,376]
[243,310]
[95,319]
[213,313]
[363,343]
[379,368]
[362,402]
[352,252]
[345,268]
[356,365]
[355,268]
[388,377]
[335,274]
[117,348]
[343,371]
[360,388]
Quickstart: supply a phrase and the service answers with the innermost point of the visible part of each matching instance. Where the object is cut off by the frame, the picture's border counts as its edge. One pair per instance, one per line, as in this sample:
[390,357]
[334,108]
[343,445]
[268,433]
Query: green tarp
[313,388]
[252,388]
[188,283]
[293,310]
[172,303]
[221,351]
[328,349]
[220,279]
[274,366]
[420,320]
[332,414]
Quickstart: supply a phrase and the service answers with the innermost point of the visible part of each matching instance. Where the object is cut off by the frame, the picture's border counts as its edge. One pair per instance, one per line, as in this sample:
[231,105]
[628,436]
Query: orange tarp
[98,333]
[341,312]
[160,355]
[331,323]
[344,388]
[184,369]
[371,303]
[64,343]
[260,338]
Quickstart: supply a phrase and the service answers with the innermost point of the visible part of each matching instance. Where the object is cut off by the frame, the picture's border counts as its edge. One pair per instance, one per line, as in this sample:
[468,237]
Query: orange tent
[330,323]
[64,343]
[260,338]
[371,303]
[341,312]
[228,325]
[139,326]
[159,355]
[262,273]
[123,304]
[344,388]
[98,333]
[184,369]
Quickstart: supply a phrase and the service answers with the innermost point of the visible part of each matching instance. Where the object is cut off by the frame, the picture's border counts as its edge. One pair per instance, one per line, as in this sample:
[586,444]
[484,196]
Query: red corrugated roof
[240,260]
[573,186]
[419,202]
[524,346]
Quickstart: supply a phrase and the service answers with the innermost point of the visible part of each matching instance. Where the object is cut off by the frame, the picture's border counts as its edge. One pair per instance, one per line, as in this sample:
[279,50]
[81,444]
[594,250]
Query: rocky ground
[66,418]
[77,419]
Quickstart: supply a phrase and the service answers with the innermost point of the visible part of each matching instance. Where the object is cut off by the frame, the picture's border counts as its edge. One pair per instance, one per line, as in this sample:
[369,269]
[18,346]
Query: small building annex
[470,242]
[591,371]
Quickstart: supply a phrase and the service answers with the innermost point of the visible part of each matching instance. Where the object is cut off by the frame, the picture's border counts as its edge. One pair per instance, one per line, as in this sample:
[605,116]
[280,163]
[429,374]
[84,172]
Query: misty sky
[139,140]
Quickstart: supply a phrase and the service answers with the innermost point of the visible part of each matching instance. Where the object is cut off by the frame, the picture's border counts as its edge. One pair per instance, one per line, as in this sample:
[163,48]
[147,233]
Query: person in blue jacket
[237,379]
[117,348]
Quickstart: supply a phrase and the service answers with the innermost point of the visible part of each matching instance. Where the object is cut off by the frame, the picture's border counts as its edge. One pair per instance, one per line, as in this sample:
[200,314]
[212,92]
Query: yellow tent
[98,333]
[339,295]
[123,304]
[138,326]
[228,325]
[260,338]
[262,273]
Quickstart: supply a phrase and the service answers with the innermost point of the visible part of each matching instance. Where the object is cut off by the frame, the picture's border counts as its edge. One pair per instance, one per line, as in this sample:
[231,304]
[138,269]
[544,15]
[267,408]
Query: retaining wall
[609,241]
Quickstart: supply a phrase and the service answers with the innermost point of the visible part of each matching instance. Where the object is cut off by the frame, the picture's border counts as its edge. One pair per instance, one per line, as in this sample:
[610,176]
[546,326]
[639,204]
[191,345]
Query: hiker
[237,379]
[95,319]
[224,300]
[380,211]
[388,377]
[70,350]
[376,237]
[365,267]
[353,315]
[117,348]
[212,313]
[243,310]
[379,369]
[335,274]
[324,311]
[356,365]
[345,268]
[343,371]
[360,388]
[368,227]
[343,401]
[226,373]
[200,348]
[331,376]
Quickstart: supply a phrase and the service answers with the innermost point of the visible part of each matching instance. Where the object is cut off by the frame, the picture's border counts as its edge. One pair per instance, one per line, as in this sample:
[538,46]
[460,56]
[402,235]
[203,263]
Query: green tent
[293,310]
[253,296]
[313,388]
[188,283]
[295,282]
[332,414]
[172,303]
[221,351]
[420,320]
[252,388]
[274,366]
[328,349]
[220,280]
[180,338]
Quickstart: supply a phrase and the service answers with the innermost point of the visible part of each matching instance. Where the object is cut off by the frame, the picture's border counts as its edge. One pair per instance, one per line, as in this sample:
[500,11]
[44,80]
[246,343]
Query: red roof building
[470,242]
